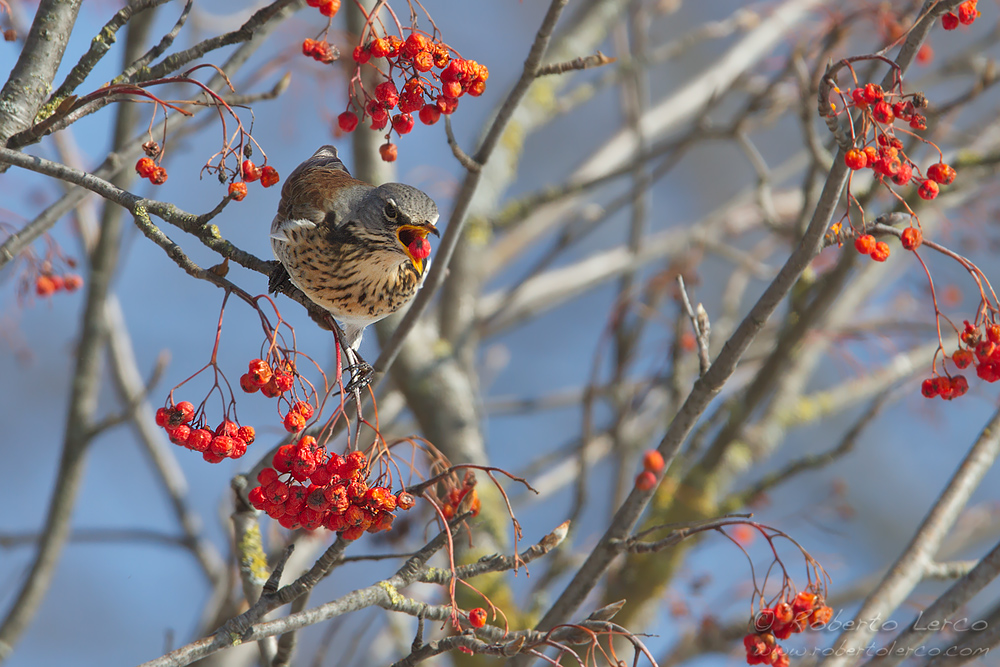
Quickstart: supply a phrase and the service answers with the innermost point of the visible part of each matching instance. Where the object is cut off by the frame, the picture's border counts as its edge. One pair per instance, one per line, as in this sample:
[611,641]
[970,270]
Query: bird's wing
[320,191]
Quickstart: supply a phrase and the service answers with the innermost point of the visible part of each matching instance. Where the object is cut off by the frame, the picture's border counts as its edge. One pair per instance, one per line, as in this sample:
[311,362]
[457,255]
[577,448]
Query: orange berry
[477,617]
[73,282]
[881,251]
[865,244]
[967,12]
[238,190]
[856,159]
[250,171]
[388,152]
[159,176]
[882,113]
[44,285]
[430,114]
[380,48]
[912,238]
[652,461]
[145,167]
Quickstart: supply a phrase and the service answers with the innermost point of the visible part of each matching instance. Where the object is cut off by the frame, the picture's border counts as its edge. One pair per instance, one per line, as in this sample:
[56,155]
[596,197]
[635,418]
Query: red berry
[446,105]
[162,417]
[294,422]
[918,122]
[238,190]
[928,190]
[179,434]
[259,371]
[959,386]
[881,251]
[185,410]
[912,238]
[645,481]
[145,167]
[414,44]
[865,244]
[388,152]
[903,176]
[247,434]
[941,173]
[247,384]
[882,113]
[347,121]
[652,461]
[360,55]
[221,445]
[477,617]
[159,176]
[387,94]
[250,171]
[858,95]
[873,93]
[420,248]
[268,176]
[199,440]
[308,47]
[380,48]
[228,428]
[402,123]
[949,21]
[430,114]
[44,285]
[967,12]
[283,381]
[856,159]
[962,358]
[423,61]
[329,8]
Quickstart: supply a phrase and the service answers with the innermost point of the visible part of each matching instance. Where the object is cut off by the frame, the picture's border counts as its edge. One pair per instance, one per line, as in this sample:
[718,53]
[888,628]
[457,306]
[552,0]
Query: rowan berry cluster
[885,156]
[652,464]
[148,169]
[433,82]
[273,383]
[267,175]
[979,346]
[781,621]
[309,488]
[966,15]
[186,428]
[47,284]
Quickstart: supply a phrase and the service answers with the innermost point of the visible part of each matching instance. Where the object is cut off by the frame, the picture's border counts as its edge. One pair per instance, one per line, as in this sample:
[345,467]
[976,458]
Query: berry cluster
[307,487]
[320,50]
[433,84]
[779,622]
[326,7]
[273,383]
[867,245]
[980,346]
[148,169]
[267,175]
[885,157]
[185,429]
[456,496]
[652,464]
[967,15]
[48,284]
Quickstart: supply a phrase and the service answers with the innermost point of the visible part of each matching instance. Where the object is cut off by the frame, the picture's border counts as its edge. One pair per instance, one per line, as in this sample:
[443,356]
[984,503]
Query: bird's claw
[361,376]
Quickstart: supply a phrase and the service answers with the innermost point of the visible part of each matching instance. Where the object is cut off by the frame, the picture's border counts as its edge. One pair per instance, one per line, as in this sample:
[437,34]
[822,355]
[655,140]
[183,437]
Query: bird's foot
[279,279]
[361,376]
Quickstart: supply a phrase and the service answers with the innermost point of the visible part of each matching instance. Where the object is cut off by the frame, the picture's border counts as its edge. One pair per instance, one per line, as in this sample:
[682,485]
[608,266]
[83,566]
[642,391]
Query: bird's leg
[361,371]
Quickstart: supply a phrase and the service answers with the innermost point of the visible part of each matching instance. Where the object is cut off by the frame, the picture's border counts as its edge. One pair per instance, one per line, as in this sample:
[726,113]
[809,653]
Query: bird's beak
[407,234]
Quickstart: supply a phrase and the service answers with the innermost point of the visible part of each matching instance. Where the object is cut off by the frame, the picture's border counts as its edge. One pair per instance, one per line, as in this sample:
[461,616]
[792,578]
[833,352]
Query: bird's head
[404,214]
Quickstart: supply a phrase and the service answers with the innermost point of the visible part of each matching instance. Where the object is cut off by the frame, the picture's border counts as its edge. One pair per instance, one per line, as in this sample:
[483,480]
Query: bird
[357,250]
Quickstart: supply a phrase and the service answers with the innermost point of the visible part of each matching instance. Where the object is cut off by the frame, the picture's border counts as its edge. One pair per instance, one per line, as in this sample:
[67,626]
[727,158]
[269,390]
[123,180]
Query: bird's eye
[390,210]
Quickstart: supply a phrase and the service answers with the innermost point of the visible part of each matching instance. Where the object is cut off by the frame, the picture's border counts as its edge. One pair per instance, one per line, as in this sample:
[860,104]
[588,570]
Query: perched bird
[359,251]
